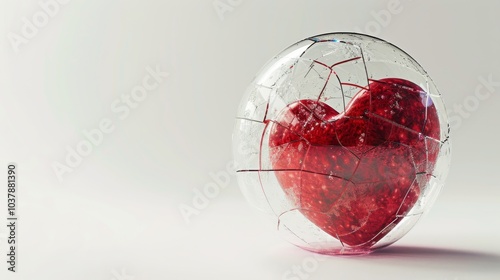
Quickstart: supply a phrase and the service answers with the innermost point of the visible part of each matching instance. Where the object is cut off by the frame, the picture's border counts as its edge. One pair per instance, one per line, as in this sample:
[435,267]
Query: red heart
[356,174]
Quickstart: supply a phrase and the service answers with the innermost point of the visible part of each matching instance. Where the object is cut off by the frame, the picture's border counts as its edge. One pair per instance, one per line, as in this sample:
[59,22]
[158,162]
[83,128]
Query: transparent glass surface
[343,139]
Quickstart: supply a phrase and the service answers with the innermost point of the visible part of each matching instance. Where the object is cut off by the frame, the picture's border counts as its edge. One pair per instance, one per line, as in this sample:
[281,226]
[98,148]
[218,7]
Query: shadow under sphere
[437,258]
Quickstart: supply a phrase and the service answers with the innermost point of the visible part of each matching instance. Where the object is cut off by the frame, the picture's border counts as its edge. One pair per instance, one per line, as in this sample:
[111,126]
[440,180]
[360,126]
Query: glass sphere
[343,139]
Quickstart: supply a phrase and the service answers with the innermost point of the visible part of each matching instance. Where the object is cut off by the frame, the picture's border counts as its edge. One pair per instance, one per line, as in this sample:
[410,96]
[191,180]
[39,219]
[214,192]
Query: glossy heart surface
[355,174]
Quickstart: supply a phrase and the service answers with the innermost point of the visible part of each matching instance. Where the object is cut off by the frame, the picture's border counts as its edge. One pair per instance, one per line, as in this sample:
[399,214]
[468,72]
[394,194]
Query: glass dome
[343,139]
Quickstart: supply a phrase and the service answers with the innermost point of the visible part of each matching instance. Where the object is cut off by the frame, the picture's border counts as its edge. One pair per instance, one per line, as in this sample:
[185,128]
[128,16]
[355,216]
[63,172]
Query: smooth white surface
[117,213]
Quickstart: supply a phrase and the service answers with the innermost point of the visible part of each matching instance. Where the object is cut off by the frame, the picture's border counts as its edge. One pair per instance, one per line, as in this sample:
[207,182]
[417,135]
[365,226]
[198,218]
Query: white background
[116,215]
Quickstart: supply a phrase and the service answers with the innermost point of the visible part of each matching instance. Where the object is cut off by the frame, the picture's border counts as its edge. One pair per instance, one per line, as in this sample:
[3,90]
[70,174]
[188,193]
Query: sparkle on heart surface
[355,174]
[343,139]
